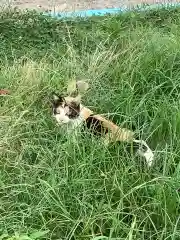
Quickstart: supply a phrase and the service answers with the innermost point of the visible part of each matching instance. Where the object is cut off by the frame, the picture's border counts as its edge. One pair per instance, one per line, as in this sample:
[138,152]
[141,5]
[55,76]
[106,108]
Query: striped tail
[145,151]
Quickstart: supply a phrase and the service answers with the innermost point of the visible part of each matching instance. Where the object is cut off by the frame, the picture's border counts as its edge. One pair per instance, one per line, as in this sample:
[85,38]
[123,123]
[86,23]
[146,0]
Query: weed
[80,189]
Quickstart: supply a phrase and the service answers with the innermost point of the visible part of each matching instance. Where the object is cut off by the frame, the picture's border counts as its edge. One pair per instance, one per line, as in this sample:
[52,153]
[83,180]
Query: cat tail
[145,151]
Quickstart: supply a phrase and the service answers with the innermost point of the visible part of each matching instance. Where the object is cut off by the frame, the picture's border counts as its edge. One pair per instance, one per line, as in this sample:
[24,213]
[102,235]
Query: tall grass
[78,188]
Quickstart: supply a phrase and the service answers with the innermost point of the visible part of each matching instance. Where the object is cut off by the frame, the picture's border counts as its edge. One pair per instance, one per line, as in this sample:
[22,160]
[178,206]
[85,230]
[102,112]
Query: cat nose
[62,120]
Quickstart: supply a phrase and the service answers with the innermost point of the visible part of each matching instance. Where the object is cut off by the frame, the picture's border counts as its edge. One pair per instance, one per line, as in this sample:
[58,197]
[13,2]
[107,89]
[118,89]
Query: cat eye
[56,111]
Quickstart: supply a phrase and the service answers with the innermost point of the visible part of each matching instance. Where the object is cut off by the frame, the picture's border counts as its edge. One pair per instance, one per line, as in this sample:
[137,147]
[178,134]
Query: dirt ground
[73,5]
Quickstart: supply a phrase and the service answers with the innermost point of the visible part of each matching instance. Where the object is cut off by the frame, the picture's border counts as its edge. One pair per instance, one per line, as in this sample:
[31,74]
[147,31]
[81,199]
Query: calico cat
[69,111]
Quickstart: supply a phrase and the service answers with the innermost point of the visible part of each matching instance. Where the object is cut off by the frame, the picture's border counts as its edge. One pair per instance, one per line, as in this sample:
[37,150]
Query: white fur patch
[148,154]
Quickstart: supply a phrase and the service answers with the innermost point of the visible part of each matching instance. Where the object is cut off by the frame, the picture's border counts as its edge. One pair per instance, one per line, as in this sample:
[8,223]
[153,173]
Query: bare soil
[73,5]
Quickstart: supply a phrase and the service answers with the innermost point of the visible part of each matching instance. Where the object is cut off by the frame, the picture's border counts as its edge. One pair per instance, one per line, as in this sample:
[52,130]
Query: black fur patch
[95,126]
[74,110]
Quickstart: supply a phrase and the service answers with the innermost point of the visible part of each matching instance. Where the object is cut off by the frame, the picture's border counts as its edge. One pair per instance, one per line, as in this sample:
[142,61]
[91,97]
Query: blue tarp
[102,12]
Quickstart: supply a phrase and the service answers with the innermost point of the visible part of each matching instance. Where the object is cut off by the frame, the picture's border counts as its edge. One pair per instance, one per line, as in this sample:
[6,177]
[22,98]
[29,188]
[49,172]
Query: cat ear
[57,98]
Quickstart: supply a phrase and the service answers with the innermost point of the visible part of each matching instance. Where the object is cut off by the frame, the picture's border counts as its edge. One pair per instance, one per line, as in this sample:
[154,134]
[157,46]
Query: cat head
[67,108]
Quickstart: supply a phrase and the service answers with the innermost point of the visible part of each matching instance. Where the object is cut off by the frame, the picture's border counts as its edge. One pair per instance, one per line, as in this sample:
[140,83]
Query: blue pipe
[102,12]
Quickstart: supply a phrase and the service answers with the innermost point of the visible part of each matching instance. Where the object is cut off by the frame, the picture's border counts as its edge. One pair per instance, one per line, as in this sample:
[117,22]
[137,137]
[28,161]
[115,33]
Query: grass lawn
[80,189]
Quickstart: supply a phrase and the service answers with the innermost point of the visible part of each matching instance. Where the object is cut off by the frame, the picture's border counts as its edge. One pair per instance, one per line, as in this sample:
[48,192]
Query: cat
[69,111]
